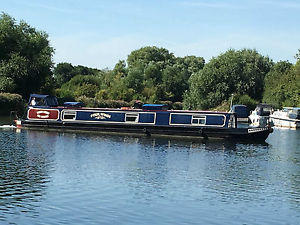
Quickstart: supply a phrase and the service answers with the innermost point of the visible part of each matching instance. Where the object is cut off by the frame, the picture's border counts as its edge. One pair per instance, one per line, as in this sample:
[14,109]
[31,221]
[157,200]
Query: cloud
[243,4]
[211,4]
[45,6]
[282,4]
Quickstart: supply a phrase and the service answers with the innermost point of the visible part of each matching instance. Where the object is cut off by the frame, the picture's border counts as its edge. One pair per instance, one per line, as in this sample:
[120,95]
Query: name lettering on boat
[100,116]
[42,114]
[254,130]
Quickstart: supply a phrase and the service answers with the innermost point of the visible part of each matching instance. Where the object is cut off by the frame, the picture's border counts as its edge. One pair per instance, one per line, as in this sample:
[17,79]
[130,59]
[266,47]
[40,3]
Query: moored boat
[260,116]
[151,119]
[288,117]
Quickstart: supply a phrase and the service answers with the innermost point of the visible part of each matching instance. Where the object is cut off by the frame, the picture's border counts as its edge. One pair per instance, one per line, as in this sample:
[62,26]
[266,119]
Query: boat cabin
[264,109]
[241,111]
[45,107]
[293,112]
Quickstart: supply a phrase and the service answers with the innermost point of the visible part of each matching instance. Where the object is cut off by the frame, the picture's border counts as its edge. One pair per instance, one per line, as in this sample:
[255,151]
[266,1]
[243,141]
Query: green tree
[120,69]
[241,72]
[274,91]
[155,74]
[192,64]
[282,85]
[25,57]
[298,55]
[176,77]
[174,82]
[64,72]
[80,85]
[135,78]
[145,55]
[114,84]
[292,86]
[84,70]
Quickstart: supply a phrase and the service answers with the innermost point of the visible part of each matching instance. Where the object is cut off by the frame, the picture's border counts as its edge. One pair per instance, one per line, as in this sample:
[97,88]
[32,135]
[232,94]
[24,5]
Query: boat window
[69,115]
[146,117]
[131,117]
[180,119]
[198,120]
[51,101]
[38,102]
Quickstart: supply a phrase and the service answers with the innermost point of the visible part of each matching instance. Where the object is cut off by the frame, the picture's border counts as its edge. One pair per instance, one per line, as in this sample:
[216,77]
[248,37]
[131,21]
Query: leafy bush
[11,102]
[80,85]
[245,100]
[93,102]
[177,105]
[224,107]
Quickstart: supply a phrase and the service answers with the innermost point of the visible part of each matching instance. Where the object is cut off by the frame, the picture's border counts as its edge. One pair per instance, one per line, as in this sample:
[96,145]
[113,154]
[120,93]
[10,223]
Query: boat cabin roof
[155,107]
[38,96]
[292,108]
[73,104]
[263,105]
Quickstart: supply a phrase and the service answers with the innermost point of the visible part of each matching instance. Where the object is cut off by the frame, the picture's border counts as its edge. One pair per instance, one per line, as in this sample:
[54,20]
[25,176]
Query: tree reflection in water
[25,163]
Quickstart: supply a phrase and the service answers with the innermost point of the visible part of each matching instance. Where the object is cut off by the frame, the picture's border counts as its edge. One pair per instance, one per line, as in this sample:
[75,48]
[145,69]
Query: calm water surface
[79,178]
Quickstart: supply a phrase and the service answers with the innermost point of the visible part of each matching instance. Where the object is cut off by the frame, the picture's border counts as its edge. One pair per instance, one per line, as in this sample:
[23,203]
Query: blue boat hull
[245,134]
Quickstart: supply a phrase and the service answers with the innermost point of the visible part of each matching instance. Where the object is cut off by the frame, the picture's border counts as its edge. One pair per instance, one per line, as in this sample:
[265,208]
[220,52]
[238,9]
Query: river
[81,178]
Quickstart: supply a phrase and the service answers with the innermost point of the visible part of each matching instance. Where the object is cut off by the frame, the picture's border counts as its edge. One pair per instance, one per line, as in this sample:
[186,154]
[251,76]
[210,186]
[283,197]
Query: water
[80,178]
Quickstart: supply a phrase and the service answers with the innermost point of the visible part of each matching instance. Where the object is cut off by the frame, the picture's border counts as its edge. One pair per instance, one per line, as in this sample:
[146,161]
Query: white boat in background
[260,117]
[288,117]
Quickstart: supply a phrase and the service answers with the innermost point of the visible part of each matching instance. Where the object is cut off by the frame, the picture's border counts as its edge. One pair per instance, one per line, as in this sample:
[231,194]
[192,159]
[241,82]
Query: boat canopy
[264,109]
[38,96]
[241,111]
[43,100]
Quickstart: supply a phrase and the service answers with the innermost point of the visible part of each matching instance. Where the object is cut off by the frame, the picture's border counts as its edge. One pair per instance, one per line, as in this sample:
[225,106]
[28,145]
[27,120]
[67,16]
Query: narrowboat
[150,119]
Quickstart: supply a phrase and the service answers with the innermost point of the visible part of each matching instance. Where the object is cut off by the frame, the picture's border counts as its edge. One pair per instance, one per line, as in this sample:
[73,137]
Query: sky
[99,33]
